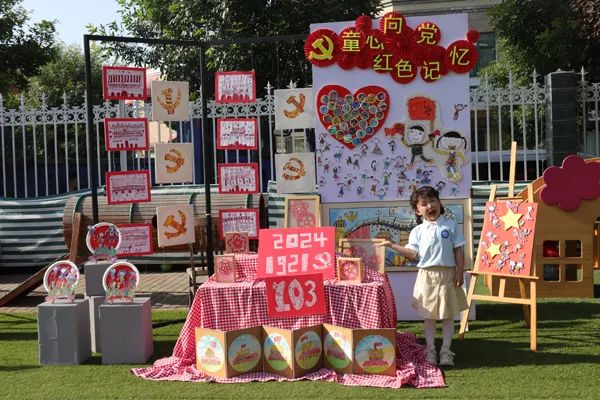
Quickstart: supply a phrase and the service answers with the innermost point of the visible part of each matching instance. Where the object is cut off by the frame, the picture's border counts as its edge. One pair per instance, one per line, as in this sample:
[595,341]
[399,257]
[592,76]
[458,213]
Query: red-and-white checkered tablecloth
[243,304]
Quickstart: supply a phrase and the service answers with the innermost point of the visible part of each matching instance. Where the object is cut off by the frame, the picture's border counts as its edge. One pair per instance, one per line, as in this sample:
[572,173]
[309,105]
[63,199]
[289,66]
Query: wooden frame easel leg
[533,315]
[465,315]
[526,307]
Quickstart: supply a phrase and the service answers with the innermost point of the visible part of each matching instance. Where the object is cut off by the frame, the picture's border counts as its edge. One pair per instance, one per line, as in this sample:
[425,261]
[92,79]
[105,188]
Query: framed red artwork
[236,242]
[235,87]
[349,269]
[239,220]
[126,134]
[238,178]
[225,271]
[295,296]
[136,240]
[123,83]
[128,187]
[237,134]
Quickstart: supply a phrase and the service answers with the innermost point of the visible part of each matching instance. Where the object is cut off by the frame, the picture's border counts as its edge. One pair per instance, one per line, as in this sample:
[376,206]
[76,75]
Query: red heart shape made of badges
[352,119]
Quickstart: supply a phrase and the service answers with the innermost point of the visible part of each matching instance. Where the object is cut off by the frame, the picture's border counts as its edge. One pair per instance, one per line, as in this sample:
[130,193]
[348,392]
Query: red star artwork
[506,244]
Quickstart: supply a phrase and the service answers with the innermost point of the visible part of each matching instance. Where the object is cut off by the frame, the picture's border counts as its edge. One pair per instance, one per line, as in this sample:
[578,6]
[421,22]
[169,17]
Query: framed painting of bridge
[392,221]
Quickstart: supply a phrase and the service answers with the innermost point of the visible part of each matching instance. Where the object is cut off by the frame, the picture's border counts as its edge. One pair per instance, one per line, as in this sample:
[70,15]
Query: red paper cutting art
[60,280]
[352,118]
[394,48]
[119,282]
[570,183]
[320,47]
[507,237]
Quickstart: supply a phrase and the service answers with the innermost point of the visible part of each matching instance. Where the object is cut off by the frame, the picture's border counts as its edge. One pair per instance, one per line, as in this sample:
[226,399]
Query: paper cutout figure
[119,282]
[103,240]
[60,280]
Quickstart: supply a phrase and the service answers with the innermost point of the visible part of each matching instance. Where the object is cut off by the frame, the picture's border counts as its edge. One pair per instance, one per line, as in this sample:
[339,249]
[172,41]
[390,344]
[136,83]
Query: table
[229,306]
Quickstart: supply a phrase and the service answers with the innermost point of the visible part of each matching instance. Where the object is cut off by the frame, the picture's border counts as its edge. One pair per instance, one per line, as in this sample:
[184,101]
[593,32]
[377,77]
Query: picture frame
[128,187]
[225,268]
[174,162]
[237,242]
[302,211]
[349,269]
[238,178]
[237,134]
[372,257]
[239,220]
[136,240]
[124,83]
[125,134]
[235,87]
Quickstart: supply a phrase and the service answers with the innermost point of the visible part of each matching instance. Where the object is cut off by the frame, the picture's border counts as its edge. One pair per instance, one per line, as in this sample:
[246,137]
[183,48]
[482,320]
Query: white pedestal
[64,332]
[126,334]
[95,303]
[402,280]
[94,271]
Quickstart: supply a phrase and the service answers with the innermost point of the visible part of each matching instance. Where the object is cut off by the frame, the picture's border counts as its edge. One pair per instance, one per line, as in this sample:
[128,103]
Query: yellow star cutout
[511,219]
[494,249]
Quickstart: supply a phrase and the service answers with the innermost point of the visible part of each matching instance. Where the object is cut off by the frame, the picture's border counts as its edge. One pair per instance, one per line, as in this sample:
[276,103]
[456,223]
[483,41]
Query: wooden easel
[529,302]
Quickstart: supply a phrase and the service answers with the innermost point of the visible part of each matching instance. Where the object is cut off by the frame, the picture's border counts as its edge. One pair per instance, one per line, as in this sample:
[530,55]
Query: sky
[72,15]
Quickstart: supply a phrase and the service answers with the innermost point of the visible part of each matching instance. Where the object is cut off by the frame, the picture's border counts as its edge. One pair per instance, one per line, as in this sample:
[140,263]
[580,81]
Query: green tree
[24,47]
[542,35]
[277,63]
[66,74]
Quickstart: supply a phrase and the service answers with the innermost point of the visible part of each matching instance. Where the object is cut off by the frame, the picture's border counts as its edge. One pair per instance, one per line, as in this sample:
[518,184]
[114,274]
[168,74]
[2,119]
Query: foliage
[493,361]
[66,74]
[23,47]
[587,13]
[197,20]
[543,35]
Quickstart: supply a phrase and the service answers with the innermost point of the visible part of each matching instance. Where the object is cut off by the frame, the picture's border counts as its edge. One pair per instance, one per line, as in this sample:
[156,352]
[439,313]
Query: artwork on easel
[238,178]
[302,211]
[237,134]
[373,257]
[103,241]
[507,237]
[349,269]
[236,242]
[119,282]
[60,280]
[235,87]
[225,268]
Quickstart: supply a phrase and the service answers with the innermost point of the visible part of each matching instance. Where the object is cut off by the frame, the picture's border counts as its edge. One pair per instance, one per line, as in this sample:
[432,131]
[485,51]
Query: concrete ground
[167,290]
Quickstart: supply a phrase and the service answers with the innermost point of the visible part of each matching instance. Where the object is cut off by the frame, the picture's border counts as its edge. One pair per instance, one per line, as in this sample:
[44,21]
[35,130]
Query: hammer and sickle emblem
[299,106]
[326,52]
[179,227]
[293,172]
[176,157]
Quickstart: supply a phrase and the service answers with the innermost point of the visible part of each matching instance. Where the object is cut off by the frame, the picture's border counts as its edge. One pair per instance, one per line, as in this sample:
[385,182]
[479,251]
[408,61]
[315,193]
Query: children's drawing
[237,134]
[136,240]
[239,220]
[295,173]
[119,282]
[175,224]
[174,162]
[238,178]
[235,87]
[225,269]
[126,134]
[103,240]
[294,109]
[236,242]
[123,83]
[128,187]
[60,280]
[302,212]
[170,101]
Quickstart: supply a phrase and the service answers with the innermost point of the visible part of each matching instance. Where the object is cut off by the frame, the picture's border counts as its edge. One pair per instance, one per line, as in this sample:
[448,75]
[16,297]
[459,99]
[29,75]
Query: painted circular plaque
[374,353]
[337,349]
[244,353]
[277,351]
[308,350]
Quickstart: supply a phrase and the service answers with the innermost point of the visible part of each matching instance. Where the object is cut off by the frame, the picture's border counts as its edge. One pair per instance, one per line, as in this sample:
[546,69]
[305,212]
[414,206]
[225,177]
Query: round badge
[445,234]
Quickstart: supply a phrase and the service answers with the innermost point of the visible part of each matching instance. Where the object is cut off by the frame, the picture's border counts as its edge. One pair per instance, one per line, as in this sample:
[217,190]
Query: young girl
[436,244]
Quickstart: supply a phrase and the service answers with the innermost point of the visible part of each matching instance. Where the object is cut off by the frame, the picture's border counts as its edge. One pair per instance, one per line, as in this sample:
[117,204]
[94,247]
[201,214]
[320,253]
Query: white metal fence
[45,151]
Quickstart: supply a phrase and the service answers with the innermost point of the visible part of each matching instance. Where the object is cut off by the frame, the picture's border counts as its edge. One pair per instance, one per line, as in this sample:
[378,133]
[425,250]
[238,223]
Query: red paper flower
[298,208]
[404,45]
[351,41]
[433,63]
[428,33]
[473,36]
[392,23]
[364,23]
[320,47]
[461,56]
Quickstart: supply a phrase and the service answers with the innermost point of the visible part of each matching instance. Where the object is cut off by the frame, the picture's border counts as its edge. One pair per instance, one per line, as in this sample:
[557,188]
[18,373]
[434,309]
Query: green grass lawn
[493,361]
